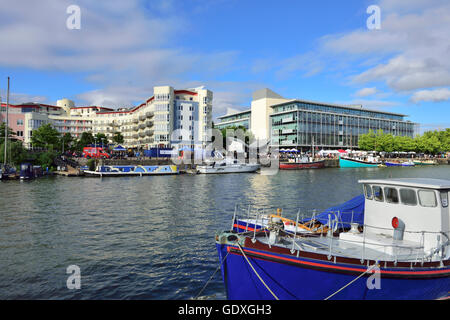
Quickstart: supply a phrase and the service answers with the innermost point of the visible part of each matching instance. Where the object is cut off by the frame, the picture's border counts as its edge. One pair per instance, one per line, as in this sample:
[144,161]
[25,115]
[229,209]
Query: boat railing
[256,216]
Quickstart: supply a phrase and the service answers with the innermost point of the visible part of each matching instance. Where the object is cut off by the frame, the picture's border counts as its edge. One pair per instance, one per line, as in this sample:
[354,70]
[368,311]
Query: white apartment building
[167,119]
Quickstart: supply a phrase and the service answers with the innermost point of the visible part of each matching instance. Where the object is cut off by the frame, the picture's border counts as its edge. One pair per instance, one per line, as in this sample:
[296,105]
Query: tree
[46,136]
[85,139]
[16,153]
[66,141]
[118,138]
[101,138]
[10,133]
[367,141]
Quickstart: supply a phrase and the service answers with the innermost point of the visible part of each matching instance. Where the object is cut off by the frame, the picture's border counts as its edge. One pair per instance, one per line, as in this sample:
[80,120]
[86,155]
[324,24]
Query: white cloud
[436,95]
[365,92]
[123,47]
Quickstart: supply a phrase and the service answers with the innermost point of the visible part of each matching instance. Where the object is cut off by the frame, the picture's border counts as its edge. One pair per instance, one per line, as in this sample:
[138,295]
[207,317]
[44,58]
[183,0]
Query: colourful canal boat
[130,170]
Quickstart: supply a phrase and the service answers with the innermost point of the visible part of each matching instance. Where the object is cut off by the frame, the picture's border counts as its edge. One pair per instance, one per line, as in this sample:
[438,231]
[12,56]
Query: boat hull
[301,166]
[291,278]
[352,163]
[228,169]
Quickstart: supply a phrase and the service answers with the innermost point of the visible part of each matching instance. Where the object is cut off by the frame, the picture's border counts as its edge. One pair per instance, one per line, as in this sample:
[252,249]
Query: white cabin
[405,212]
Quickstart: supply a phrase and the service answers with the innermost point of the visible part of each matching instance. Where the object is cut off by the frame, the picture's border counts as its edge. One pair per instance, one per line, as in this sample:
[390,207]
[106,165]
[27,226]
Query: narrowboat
[131,170]
[401,250]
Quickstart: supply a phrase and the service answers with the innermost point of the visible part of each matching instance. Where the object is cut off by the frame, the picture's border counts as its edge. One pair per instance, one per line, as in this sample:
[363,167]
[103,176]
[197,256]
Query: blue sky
[314,50]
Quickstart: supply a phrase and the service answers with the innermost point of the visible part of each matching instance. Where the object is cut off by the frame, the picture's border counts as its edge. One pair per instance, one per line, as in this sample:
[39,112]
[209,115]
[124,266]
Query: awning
[119,148]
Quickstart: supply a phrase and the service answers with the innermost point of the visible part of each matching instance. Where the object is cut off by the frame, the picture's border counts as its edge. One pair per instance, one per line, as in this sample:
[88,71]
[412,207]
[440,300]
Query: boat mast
[6,124]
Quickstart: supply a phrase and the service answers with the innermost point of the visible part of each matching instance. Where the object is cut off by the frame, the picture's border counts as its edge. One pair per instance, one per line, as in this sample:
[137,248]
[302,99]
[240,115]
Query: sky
[313,50]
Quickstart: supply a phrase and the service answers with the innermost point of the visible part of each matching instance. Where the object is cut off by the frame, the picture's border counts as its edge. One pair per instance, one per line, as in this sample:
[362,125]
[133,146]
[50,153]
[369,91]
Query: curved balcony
[149,123]
[135,120]
[149,114]
[142,117]
[141,134]
[135,136]
[149,132]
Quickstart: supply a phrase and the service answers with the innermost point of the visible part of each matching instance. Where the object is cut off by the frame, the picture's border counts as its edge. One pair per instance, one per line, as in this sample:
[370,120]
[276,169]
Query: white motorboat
[227,166]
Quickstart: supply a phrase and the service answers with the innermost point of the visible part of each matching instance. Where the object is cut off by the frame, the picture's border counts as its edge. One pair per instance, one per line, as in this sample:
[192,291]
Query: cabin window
[377,193]
[368,191]
[408,197]
[391,195]
[427,198]
[444,199]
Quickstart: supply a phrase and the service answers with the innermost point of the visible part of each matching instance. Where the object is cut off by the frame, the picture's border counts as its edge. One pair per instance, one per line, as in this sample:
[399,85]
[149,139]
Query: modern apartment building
[169,118]
[300,123]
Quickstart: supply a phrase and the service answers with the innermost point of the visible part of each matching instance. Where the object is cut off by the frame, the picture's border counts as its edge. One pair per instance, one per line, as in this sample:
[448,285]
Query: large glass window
[368,191]
[408,197]
[427,198]
[378,193]
[391,195]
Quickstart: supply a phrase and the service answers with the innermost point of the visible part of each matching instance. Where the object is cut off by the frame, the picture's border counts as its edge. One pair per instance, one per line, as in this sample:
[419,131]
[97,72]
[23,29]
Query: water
[147,237]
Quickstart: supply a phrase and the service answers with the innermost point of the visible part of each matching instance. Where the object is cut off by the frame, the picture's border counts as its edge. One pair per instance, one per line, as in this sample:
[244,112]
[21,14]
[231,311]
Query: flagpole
[6,124]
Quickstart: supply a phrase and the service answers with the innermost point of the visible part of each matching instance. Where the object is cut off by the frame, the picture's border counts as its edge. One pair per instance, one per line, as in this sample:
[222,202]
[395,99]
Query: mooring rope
[267,287]
[362,274]
[207,282]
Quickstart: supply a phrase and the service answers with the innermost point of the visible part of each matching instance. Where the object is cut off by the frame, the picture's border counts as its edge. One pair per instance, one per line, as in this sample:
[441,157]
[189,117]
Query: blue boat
[397,164]
[355,163]
[29,171]
[391,255]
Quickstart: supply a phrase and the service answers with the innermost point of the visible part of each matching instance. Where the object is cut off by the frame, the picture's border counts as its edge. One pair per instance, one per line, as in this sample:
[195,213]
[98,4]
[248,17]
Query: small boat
[131,170]
[7,172]
[425,163]
[228,166]
[401,250]
[303,163]
[399,164]
[345,162]
[29,171]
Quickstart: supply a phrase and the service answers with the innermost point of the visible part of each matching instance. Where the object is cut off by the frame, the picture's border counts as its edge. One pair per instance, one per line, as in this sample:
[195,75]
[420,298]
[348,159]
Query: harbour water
[147,237]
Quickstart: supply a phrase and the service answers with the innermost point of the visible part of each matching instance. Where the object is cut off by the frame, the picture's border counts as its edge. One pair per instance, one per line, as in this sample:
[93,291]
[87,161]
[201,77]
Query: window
[391,195]
[408,197]
[19,122]
[427,198]
[377,193]
[368,191]
[444,198]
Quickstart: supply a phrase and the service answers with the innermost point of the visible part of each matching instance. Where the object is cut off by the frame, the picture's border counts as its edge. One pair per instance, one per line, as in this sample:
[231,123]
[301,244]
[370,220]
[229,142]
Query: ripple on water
[150,237]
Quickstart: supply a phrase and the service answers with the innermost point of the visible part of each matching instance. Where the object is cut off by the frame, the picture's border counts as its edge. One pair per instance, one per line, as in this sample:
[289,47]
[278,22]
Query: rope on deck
[262,281]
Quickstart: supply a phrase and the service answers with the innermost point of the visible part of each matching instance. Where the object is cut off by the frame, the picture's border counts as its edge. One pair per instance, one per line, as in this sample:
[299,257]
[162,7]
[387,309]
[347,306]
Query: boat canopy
[345,213]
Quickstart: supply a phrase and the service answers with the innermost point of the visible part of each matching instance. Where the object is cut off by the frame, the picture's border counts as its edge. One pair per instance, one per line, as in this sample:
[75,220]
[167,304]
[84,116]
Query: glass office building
[300,124]
[237,119]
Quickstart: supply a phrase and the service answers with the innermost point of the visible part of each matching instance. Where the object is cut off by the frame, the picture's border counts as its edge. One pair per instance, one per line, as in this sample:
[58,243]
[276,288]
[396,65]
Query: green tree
[46,136]
[99,137]
[118,138]
[16,153]
[66,141]
[10,133]
[367,141]
[85,139]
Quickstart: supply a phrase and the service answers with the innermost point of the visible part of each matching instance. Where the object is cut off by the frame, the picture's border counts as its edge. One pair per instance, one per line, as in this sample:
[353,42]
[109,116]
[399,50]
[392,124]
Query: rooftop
[353,107]
[412,182]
